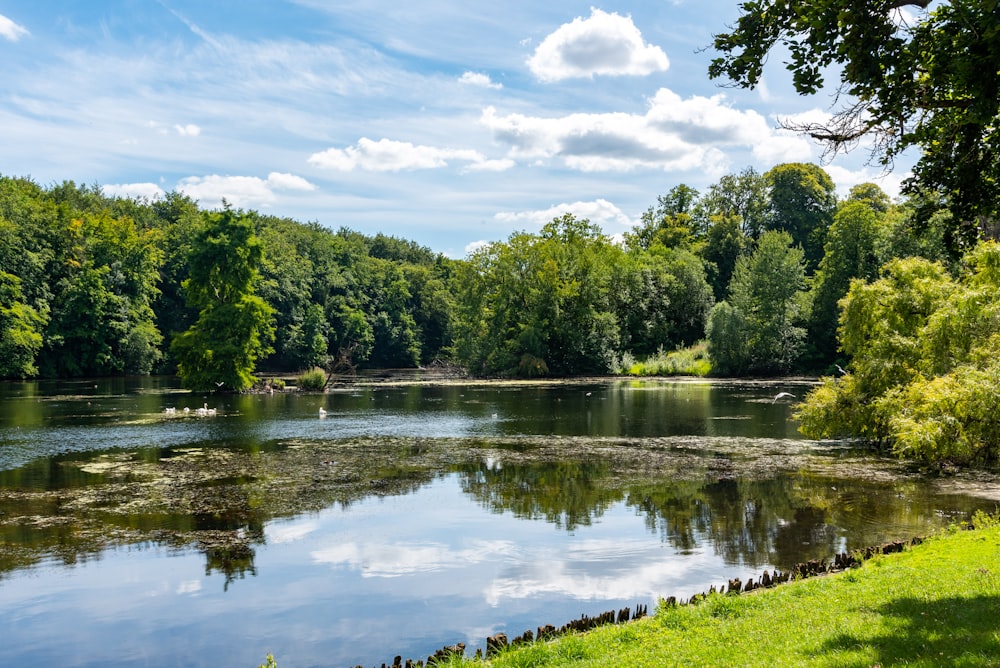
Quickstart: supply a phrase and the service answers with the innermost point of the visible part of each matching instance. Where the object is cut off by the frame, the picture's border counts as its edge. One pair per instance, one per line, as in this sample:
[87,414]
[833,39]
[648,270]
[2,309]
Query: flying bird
[782,395]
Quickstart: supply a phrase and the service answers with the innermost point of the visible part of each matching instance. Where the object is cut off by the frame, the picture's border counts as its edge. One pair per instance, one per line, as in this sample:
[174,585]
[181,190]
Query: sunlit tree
[235,327]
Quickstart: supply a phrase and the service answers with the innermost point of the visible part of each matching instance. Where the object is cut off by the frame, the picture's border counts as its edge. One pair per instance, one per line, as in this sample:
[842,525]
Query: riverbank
[934,604]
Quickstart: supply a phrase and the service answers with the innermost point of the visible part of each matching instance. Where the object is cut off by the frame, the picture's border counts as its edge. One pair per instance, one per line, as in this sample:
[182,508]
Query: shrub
[313,380]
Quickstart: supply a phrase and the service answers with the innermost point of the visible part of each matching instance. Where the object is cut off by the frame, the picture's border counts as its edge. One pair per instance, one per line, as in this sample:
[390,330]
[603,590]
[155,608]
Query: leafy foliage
[234,327]
[933,83]
[856,247]
[759,330]
[923,369]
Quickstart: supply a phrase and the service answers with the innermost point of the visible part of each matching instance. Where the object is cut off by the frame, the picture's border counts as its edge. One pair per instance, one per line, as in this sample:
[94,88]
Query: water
[410,516]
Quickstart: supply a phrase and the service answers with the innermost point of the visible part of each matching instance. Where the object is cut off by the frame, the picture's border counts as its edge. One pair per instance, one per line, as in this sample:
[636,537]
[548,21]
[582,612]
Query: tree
[759,330]
[742,196]
[234,327]
[801,202]
[924,373]
[102,320]
[855,248]
[539,304]
[724,244]
[669,224]
[932,83]
[20,331]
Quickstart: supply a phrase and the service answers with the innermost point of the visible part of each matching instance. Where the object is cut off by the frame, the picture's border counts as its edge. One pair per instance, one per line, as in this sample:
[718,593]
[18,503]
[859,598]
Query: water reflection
[410,517]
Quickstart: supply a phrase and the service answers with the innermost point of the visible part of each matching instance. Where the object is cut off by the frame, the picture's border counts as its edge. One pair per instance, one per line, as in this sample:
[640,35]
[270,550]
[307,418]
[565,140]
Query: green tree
[855,248]
[669,224]
[724,244]
[743,197]
[539,304]
[881,328]
[932,83]
[801,202]
[20,331]
[102,321]
[234,327]
[759,330]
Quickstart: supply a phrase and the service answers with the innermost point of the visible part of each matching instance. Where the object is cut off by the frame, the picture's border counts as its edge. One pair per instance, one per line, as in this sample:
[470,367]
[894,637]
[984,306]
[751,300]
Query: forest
[95,285]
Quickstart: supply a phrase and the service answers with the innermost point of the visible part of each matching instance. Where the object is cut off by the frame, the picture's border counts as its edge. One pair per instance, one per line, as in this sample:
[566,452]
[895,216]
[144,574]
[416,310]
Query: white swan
[322,412]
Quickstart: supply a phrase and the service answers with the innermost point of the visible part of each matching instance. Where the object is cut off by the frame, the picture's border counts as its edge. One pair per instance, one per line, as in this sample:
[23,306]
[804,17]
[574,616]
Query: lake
[137,530]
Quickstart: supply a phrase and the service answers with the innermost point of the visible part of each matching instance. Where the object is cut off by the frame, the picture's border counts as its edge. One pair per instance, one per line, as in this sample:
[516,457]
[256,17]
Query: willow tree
[235,327]
[928,79]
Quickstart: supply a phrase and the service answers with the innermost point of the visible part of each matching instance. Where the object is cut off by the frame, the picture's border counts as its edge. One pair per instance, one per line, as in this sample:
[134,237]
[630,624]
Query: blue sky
[447,123]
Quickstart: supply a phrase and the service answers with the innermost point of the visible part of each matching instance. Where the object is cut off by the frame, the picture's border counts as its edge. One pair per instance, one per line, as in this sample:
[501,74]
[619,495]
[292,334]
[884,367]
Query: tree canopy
[234,327]
[931,81]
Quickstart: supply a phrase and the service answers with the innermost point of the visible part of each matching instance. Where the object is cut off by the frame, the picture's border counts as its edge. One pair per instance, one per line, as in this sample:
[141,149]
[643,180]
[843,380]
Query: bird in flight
[782,395]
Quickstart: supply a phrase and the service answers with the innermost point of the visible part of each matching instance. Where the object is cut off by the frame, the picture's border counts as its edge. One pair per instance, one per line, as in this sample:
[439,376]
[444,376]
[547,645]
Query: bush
[313,380]
[691,361]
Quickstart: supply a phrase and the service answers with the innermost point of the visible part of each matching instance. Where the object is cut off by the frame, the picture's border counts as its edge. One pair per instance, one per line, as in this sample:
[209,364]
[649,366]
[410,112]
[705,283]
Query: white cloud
[189,130]
[607,44]
[148,191]
[240,191]
[675,134]
[891,183]
[284,181]
[491,165]
[387,155]
[10,30]
[600,212]
[475,245]
[479,79]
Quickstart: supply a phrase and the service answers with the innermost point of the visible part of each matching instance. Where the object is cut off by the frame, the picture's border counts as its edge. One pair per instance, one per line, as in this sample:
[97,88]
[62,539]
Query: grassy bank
[934,604]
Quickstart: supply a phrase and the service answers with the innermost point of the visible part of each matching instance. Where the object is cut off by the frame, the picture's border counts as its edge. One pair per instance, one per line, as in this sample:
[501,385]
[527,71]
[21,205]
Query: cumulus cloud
[189,130]
[479,79]
[600,212]
[10,30]
[606,44]
[387,155]
[490,165]
[846,179]
[147,191]
[475,245]
[675,134]
[241,191]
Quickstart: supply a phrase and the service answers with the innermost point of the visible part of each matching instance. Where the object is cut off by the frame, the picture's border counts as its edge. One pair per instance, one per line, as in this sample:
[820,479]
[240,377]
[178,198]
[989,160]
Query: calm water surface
[409,517]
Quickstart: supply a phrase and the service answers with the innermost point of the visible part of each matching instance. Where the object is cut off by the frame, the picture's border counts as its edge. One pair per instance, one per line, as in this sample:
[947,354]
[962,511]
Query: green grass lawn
[936,604]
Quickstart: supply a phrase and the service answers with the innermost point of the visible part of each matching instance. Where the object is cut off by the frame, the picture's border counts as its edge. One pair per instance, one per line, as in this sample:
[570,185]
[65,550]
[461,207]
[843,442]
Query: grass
[691,361]
[934,604]
[313,380]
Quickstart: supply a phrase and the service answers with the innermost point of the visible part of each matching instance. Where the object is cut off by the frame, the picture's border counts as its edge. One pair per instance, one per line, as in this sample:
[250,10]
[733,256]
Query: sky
[452,124]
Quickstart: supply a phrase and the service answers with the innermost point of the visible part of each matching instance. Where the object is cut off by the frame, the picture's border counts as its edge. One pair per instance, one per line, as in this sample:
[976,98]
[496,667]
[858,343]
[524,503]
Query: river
[137,530]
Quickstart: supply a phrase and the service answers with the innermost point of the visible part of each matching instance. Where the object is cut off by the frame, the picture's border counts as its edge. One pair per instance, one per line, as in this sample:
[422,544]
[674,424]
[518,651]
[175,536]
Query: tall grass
[691,361]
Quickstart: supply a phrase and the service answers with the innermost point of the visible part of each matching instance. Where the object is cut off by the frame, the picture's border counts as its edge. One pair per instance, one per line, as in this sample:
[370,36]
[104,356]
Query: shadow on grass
[951,631]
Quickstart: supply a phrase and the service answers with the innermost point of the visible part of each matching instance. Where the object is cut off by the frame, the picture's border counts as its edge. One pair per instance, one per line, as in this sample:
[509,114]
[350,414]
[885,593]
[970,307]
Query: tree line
[92,285]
